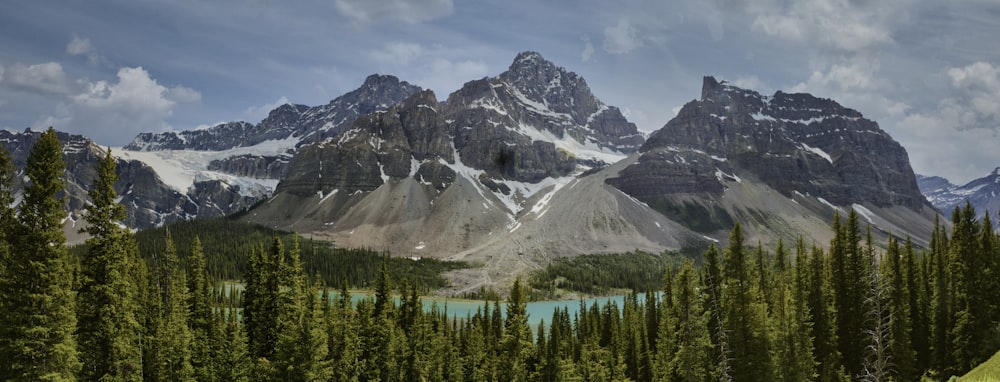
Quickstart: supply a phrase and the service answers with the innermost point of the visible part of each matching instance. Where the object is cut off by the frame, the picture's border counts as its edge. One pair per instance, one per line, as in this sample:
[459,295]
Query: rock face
[430,178]
[982,193]
[534,121]
[795,144]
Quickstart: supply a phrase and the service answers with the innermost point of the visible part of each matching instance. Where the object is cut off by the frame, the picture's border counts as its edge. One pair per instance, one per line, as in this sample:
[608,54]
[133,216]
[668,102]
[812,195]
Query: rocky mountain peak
[558,89]
[793,143]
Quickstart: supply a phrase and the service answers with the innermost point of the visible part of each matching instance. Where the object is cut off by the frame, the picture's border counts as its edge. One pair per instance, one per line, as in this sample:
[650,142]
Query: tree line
[853,311]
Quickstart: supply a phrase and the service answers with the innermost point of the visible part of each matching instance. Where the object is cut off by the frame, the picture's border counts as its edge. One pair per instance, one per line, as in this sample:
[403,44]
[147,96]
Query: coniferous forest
[117,311]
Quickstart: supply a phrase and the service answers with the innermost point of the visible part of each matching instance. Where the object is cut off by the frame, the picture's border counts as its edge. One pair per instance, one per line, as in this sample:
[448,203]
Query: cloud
[588,50]
[402,53]
[1,72]
[78,46]
[960,134]
[751,82]
[976,89]
[621,38]
[113,112]
[45,79]
[841,25]
[257,113]
[436,67]
[409,11]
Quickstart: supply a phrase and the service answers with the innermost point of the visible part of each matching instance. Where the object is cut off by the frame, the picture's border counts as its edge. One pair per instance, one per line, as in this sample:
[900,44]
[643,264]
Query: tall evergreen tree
[901,349]
[742,316]
[8,234]
[941,300]
[516,344]
[108,327]
[201,320]
[918,308]
[692,343]
[972,325]
[175,334]
[40,303]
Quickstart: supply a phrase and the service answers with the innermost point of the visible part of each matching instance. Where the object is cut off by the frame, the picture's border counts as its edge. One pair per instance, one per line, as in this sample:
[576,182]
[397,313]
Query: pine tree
[918,307]
[108,326]
[742,316]
[234,363]
[261,300]
[793,342]
[516,344]
[972,325]
[721,349]
[175,335]
[692,341]
[901,350]
[941,302]
[8,234]
[201,321]
[40,303]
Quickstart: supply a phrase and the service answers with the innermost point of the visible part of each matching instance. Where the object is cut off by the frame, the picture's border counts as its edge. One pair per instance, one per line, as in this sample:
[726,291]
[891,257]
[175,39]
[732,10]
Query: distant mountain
[780,164]
[981,193]
[148,200]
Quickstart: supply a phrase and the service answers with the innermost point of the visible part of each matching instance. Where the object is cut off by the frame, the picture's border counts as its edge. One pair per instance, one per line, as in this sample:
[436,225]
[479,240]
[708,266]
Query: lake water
[462,308]
[537,311]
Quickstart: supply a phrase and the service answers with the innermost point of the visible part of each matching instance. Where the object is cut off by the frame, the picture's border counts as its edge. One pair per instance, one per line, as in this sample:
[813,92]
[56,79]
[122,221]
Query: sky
[927,71]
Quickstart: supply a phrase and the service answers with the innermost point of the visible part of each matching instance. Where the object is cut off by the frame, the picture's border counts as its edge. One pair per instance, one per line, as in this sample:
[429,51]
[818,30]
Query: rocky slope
[981,193]
[735,155]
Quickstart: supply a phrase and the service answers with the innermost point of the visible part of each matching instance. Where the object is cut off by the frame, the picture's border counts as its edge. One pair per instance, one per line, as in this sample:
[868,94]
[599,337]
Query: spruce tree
[918,307]
[516,344]
[901,349]
[743,317]
[175,335]
[692,343]
[972,325]
[202,320]
[40,303]
[941,301]
[108,328]
[8,234]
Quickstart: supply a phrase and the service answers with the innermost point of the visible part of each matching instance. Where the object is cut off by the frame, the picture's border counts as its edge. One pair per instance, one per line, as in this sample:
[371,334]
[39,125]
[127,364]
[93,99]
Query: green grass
[987,371]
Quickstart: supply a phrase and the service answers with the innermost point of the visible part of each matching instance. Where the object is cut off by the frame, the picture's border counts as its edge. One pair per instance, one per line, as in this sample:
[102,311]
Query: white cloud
[959,136]
[588,50]
[257,113]
[842,77]
[46,79]
[410,11]
[841,25]
[446,76]
[112,112]
[402,53]
[751,82]
[976,90]
[435,67]
[621,38]
[79,46]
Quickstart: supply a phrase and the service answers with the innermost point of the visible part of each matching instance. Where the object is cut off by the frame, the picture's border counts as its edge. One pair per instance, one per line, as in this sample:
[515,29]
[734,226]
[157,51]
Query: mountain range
[981,193]
[512,170]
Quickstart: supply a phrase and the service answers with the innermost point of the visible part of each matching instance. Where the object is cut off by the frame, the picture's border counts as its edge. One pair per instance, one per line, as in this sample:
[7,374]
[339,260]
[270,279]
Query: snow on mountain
[981,193]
